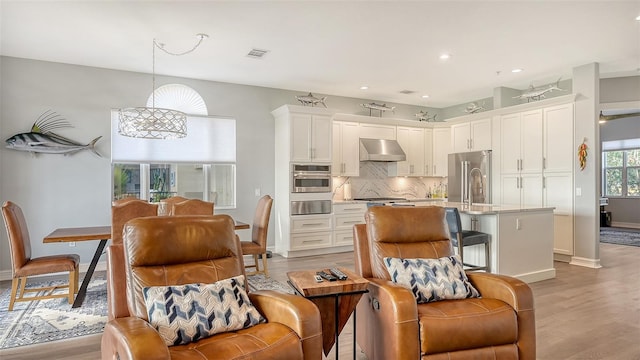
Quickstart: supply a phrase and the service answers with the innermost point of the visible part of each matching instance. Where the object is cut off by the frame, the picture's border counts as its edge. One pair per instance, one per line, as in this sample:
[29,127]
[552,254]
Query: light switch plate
[256,191]
[578,191]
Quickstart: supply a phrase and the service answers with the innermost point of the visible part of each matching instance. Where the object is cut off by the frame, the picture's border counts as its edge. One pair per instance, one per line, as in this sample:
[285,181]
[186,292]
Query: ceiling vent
[407,92]
[257,53]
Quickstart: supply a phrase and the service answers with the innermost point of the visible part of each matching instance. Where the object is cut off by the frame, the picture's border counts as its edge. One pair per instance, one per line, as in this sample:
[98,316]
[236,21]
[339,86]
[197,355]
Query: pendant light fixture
[152,122]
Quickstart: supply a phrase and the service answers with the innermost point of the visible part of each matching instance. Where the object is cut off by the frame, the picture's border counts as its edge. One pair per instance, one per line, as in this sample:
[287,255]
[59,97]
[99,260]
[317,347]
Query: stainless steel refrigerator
[469,178]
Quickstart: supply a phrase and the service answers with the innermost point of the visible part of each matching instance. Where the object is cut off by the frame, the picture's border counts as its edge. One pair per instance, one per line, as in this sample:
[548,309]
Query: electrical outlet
[256,191]
[72,244]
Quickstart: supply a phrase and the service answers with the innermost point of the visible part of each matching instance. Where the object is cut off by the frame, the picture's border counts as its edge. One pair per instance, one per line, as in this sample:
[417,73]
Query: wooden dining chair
[167,204]
[258,244]
[24,266]
[192,207]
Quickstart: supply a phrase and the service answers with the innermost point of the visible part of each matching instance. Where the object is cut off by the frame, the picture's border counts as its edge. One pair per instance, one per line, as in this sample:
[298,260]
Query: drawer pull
[312,241]
[352,222]
[312,224]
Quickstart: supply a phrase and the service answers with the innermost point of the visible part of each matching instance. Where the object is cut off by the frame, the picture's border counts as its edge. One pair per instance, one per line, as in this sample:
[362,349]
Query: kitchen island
[521,237]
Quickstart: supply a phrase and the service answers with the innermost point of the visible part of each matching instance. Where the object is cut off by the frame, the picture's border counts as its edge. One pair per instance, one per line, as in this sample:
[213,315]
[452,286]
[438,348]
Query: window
[621,173]
[199,166]
[210,182]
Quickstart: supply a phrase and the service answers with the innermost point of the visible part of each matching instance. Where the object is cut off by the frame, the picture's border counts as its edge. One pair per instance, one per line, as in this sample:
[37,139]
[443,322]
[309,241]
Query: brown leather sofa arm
[394,319]
[296,312]
[116,283]
[518,294]
[513,291]
[132,338]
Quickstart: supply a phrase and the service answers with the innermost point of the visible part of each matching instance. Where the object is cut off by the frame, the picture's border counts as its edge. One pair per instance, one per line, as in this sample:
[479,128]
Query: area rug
[49,320]
[620,237]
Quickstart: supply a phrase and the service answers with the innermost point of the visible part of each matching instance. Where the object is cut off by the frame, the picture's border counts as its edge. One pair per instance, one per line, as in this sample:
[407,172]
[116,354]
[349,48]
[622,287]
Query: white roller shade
[209,140]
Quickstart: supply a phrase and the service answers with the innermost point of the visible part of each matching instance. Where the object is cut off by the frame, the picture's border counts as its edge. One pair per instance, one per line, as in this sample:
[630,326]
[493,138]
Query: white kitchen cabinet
[441,150]
[558,193]
[412,142]
[536,166]
[345,216]
[377,131]
[310,137]
[302,135]
[471,136]
[521,189]
[346,143]
[559,150]
[428,152]
[521,142]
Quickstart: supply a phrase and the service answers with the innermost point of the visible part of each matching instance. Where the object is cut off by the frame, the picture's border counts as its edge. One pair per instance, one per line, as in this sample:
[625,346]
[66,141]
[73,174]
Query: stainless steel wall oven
[310,178]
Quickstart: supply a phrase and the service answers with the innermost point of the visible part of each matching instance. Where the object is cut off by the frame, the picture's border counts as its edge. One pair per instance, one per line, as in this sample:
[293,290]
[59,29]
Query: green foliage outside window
[621,173]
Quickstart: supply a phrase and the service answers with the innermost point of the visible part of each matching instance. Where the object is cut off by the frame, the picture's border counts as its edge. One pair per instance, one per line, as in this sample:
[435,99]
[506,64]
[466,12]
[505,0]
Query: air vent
[257,53]
[407,92]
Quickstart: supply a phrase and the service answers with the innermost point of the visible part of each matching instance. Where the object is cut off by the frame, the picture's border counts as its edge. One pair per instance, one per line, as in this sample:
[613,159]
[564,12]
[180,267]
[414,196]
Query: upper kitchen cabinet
[346,151]
[307,131]
[471,136]
[521,142]
[558,138]
[428,152]
[412,142]
[441,151]
[377,131]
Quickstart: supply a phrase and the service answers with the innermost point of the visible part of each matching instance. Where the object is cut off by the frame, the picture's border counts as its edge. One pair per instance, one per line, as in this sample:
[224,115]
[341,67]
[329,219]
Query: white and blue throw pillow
[188,313]
[432,279]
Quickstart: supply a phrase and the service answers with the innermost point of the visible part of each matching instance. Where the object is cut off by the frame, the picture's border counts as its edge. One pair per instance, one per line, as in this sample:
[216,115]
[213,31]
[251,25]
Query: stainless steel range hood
[381,150]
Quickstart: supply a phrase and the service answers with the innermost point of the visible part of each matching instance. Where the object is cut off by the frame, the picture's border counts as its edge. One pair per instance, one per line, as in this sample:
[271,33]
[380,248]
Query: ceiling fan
[604,118]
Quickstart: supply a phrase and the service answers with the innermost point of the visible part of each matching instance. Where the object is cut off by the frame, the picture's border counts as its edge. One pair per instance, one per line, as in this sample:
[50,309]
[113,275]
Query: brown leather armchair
[199,249]
[392,325]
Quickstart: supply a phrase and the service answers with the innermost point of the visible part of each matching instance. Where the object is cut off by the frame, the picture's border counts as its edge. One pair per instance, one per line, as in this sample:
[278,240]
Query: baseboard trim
[321,251]
[562,257]
[625,225]
[100,266]
[585,262]
[537,276]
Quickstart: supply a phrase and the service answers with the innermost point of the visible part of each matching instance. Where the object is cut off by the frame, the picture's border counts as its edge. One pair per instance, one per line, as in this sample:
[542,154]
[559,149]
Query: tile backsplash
[375,182]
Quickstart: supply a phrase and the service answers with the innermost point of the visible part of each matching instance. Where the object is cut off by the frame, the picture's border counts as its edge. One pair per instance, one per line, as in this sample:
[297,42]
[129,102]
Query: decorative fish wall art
[41,139]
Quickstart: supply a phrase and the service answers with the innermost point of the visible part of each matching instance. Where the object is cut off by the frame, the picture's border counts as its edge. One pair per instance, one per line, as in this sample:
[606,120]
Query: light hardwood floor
[581,314]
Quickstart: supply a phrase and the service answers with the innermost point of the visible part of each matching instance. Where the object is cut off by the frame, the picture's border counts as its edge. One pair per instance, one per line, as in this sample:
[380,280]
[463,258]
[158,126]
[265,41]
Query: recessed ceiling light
[516,70]
[445,56]
[638,17]
[425,96]
[364,87]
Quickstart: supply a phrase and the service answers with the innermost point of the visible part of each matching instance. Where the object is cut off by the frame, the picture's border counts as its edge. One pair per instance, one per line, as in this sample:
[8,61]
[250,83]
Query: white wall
[69,191]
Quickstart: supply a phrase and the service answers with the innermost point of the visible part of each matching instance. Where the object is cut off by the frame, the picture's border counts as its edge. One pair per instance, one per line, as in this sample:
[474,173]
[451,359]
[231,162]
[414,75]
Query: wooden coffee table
[336,301]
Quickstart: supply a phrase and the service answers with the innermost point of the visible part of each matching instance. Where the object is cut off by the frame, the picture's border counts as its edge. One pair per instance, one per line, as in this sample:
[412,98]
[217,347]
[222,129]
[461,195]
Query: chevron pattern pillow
[432,279]
[187,313]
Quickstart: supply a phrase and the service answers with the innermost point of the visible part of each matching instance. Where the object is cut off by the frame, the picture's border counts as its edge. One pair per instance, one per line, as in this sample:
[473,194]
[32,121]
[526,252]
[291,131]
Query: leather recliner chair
[159,251]
[392,325]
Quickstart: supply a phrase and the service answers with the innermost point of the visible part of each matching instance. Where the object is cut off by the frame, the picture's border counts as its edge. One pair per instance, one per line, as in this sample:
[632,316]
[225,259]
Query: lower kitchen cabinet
[345,216]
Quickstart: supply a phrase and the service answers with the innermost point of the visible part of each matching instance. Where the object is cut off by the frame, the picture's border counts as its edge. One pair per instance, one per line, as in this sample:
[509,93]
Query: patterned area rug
[49,320]
[620,237]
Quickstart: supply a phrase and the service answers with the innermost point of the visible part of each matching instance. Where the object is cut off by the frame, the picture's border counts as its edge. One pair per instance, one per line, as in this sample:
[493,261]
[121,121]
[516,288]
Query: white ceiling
[334,47]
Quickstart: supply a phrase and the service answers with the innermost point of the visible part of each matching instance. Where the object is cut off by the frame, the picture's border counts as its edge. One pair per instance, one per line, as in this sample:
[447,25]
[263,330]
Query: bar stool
[462,238]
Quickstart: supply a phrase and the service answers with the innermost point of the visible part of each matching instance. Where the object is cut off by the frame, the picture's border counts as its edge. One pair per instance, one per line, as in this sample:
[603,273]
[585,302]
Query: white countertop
[475,209]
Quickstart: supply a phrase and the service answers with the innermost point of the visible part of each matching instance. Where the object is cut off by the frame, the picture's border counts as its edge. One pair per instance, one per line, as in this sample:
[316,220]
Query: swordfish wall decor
[41,139]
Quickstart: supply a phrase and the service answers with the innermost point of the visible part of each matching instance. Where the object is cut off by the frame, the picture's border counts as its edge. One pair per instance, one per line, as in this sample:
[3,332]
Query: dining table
[93,233]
